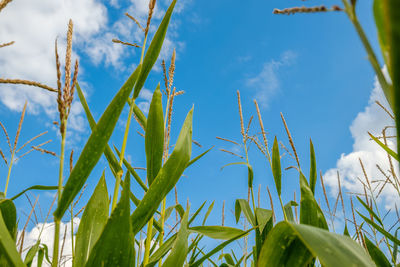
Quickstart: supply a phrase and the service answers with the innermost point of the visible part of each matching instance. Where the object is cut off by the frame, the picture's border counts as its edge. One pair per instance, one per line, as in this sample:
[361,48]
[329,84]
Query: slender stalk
[72,232]
[128,123]
[9,173]
[60,182]
[148,241]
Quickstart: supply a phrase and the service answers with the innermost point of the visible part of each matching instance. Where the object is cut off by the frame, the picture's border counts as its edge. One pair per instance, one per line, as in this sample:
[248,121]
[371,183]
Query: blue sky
[310,67]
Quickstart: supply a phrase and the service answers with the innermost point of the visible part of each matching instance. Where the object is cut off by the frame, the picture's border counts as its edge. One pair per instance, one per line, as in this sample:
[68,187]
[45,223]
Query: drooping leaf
[35,187]
[92,223]
[243,205]
[154,50]
[313,168]
[276,166]
[371,212]
[179,250]
[291,244]
[95,146]
[154,136]
[115,246]
[217,232]
[380,229]
[289,211]
[167,177]
[31,254]
[385,147]
[250,174]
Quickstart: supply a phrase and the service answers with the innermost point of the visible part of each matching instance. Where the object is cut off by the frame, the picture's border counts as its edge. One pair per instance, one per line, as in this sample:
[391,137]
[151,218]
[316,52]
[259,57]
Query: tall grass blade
[380,229]
[9,212]
[95,146]
[385,147]
[92,223]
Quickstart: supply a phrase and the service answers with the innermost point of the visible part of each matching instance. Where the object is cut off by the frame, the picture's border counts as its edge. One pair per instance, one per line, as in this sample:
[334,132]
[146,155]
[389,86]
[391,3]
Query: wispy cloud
[373,119]
[266,83]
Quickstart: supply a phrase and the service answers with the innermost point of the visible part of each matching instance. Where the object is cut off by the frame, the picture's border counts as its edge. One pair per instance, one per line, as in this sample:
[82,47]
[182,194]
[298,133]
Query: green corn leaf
[167,177]
[385,147]
[154,50]
[395,246]
[35,187]
[370,211]
[161,251]
[217,232]
[243,205]
[276,166]
[9,212]
[263,216]
[199,157]
[379,16]
[196,213]
[392,9]
[154,138]
[310,212]
[132,171]
[291,244]
[250,173]
[112,160]
[92,223]
[376,254]
[179,250]
[40,257]
[218,248]
[208,213]
[115,246]
[95,146]
[313,168]
[289,211]
[31,254]
[380,229]
[139,115]
[8,250]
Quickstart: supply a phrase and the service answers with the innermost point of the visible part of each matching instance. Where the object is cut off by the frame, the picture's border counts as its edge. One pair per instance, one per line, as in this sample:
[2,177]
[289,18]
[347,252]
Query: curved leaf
[7,246]
[243,205]
[313,168]
[35,187]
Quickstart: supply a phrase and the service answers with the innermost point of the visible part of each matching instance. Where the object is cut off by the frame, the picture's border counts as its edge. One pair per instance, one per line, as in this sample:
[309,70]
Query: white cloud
[267,83]
[45,232]
[372,119]
[34,25]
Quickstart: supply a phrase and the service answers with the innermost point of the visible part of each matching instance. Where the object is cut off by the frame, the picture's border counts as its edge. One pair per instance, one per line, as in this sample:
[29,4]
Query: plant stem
[122,154]
[148,241]
[60,182]
[283,209]
[9,173]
